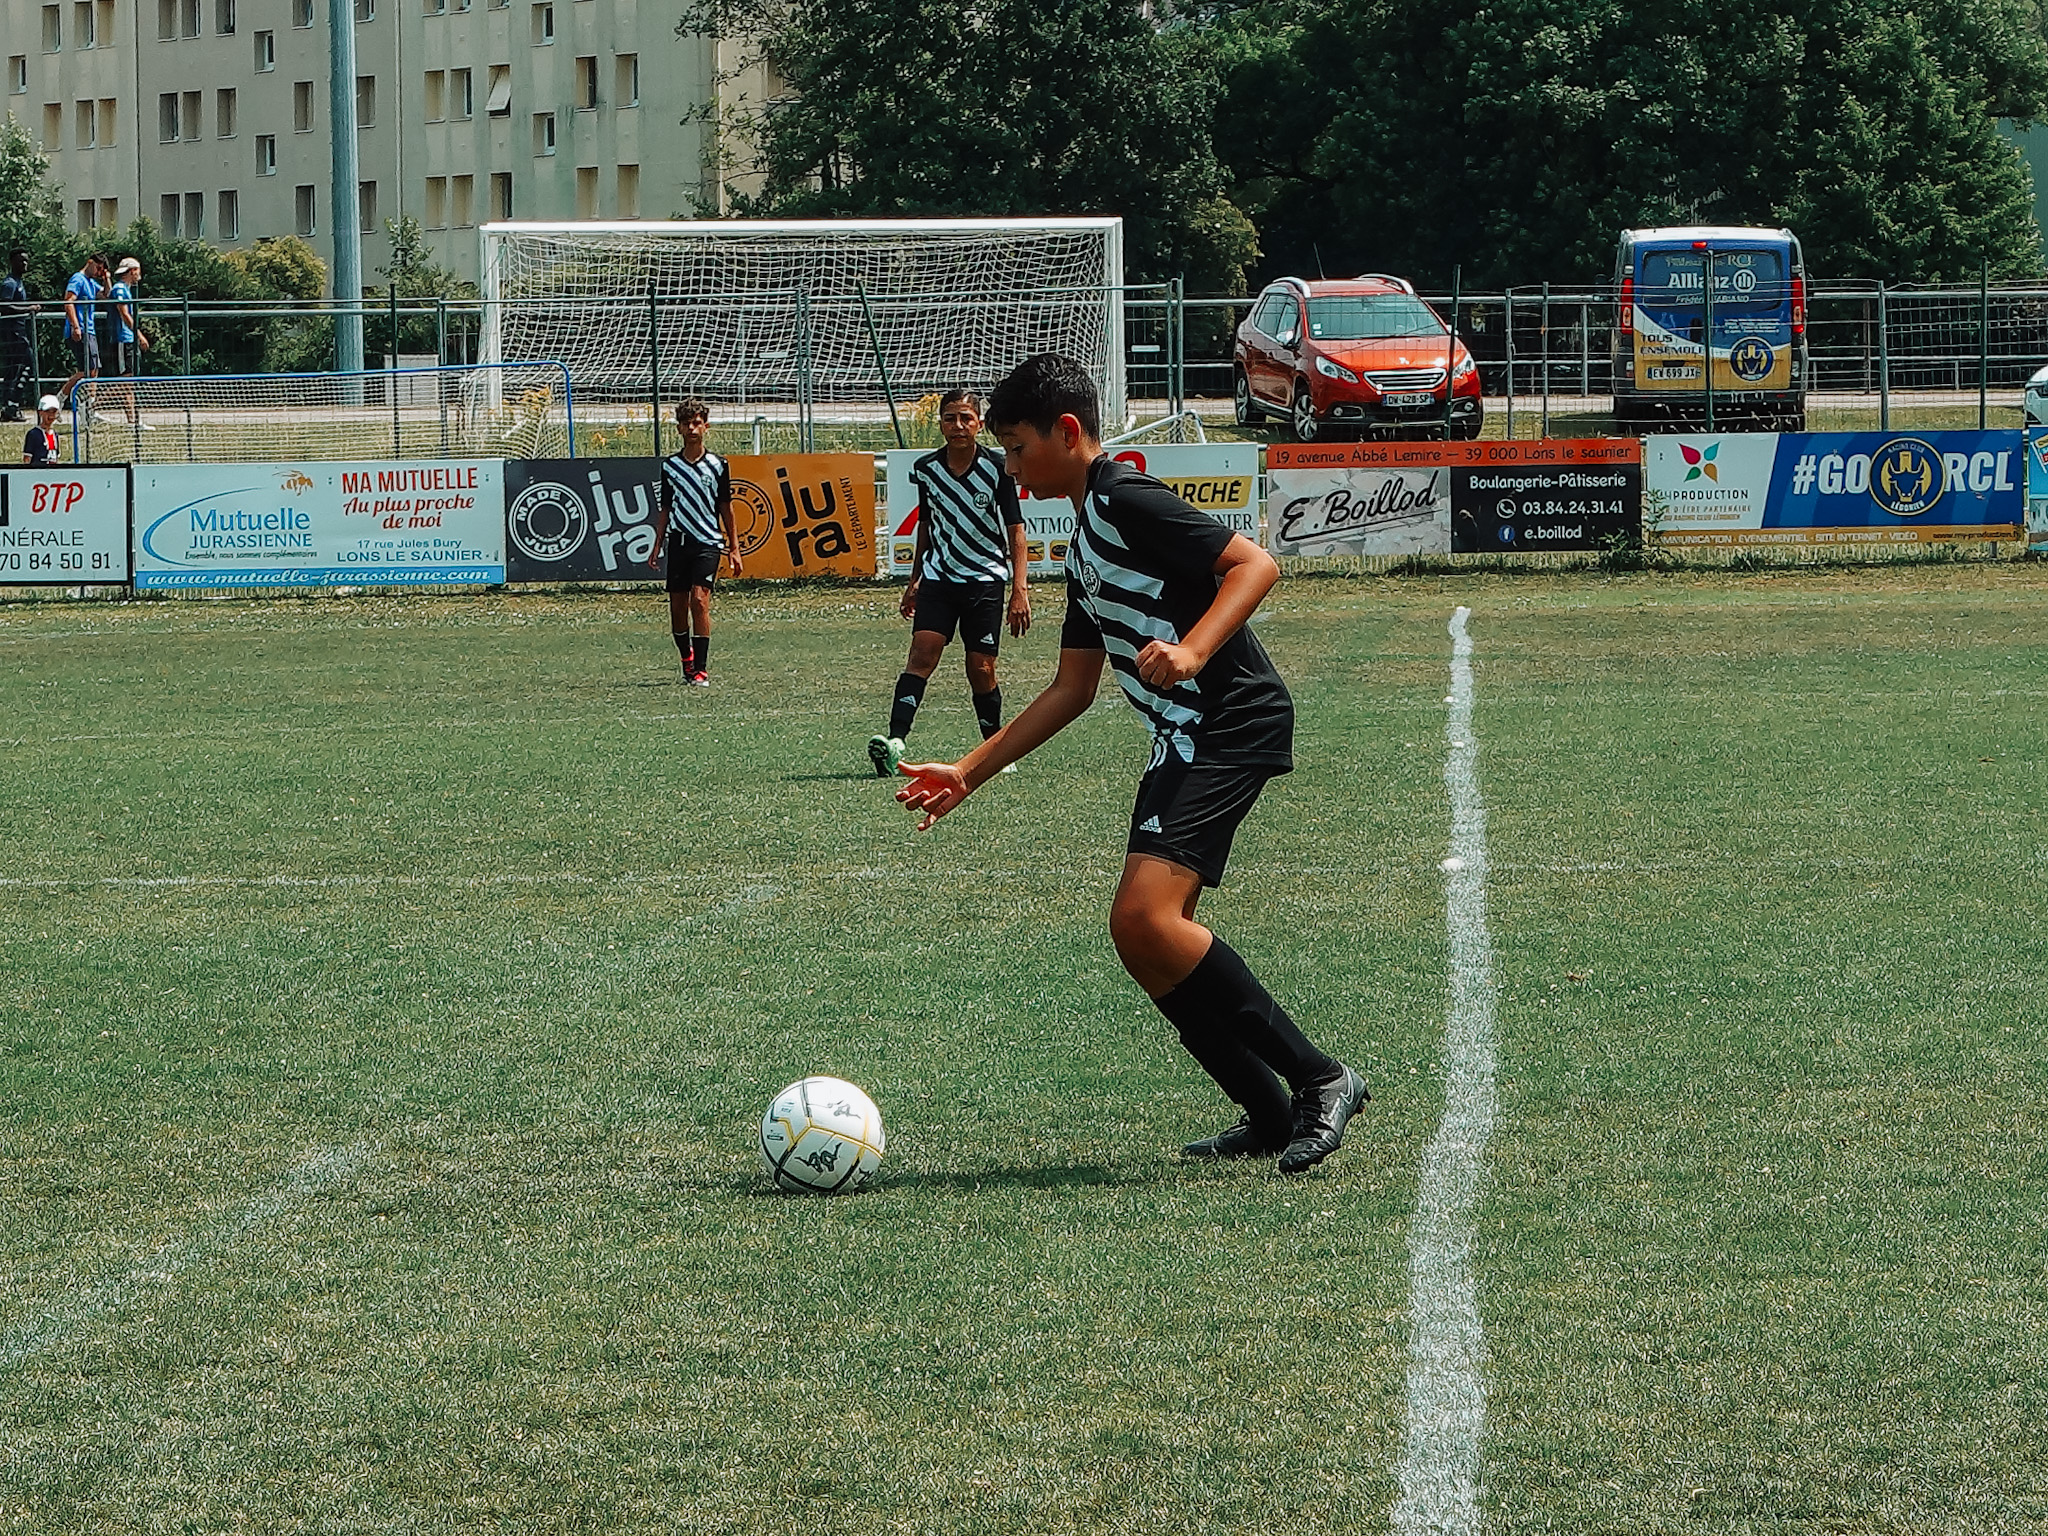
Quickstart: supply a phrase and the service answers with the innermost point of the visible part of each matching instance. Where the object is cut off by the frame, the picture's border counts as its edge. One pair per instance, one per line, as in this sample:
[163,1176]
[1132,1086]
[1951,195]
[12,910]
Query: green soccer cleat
[885,752]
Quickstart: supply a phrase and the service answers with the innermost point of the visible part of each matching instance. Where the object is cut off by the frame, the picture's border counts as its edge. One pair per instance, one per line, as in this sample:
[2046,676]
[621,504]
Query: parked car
[2037,400]
[1359,356]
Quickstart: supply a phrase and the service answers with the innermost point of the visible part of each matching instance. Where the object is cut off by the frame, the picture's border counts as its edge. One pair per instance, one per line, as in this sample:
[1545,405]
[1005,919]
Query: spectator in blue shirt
[81,296]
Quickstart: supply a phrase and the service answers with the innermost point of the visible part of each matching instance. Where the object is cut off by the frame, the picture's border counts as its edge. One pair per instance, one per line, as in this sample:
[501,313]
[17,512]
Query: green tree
[1016,107]
[1518,137]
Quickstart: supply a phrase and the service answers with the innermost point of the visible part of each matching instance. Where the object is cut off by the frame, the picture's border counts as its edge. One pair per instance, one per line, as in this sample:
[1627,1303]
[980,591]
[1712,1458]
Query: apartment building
[211,116]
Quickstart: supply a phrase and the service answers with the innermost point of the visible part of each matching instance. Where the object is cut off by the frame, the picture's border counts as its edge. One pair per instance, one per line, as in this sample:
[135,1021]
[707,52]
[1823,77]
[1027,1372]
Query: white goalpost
[785,319]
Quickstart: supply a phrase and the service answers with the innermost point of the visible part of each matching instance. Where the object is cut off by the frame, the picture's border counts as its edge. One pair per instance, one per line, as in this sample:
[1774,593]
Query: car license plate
[1410,399]
[1684,371]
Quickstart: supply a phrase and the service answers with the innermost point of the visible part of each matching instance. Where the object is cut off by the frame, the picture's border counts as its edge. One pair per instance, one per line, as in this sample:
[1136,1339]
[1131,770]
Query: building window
[629,191]
[543,24]
[110,213]
[586,191]
[85,213]
[53,126]
[501,194]
[83,135]
[366,11]
[437,95]
[167,118]
[302,106]
[188,18]
[195,215]
[435,215]
[224,114]
[109,106]
[366,207]
[435,7]
[461,100]
[266,52]
[266,154]
[229,224]
[499,103]
[543,133]
[53,28]
[188,115]
[462,200]
[586,83]
[302,210]
[302,13]
[626,90]
[224,17]
[17,74]
[366,101]
[81,24]
[169,215]
[166,20]
[104,24]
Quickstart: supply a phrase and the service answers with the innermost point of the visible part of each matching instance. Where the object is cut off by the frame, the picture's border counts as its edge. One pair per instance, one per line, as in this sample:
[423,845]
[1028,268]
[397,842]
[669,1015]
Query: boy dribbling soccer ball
[1162,593]
[696,495]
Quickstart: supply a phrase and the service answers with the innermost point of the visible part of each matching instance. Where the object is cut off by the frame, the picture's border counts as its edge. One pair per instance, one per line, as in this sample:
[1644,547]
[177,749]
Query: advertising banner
[63,527]
[1834,487]
[1381,499]
[373,522]
[1220,478]
[807,514]
[582,519]
[2037,489]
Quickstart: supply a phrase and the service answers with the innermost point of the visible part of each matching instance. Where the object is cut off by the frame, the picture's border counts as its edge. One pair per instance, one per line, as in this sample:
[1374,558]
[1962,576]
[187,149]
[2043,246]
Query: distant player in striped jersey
[970,539]
[696,495]
[1163,592]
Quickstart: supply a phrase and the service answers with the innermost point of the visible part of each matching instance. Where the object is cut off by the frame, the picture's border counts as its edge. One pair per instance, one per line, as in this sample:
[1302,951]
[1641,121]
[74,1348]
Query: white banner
[1345,509]
[376,523]
[65,527]
[1221,479]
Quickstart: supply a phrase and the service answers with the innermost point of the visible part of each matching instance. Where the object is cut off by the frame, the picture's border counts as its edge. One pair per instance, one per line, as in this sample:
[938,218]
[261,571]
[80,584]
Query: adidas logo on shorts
[1149,824]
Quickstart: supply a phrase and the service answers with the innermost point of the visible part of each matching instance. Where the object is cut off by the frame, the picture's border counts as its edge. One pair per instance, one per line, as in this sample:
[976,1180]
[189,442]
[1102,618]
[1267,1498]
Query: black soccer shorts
[1187,813]
[692,563]
[974,607]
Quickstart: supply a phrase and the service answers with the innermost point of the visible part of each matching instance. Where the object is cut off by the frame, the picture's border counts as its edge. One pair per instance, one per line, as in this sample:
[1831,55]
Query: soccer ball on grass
[821,1136]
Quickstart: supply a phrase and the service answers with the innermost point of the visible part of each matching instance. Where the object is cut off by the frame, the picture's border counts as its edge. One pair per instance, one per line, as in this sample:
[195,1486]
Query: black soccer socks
[1226,1019]
[682,640]
[700,655]
[909,694]
[988,709]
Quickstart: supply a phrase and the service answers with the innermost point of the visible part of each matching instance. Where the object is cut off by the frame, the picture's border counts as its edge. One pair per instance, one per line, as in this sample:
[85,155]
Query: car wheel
[1248,413]
[1306,428]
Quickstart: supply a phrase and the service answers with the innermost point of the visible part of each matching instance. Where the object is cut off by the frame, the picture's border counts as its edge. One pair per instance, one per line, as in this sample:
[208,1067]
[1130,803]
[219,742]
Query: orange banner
[804,514]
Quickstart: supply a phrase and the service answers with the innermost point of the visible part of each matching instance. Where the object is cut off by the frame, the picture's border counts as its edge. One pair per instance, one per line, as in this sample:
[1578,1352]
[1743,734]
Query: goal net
[477,411]
[768,317]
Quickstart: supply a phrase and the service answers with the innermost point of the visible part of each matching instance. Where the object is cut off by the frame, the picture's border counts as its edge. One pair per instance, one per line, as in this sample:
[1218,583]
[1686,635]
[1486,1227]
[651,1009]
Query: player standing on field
[970,537]
[1163,592]
[696,495]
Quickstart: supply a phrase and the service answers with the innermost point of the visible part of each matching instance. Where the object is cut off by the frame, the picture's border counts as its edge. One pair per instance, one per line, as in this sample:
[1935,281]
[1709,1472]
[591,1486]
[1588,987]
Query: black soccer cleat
[1321,1111]
[1239,1141]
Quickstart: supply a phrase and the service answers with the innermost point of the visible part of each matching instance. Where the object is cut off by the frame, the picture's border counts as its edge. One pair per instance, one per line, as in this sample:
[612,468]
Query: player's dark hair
[1042,389]
[960,394]
[691,405]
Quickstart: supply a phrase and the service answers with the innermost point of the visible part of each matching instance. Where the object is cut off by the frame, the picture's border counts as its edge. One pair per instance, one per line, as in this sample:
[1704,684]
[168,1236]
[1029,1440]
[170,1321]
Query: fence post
[1546,362]
[1451,350]
[1508,330]
[1707,300]
[1984,344]
[391,376]
[1176,348]
[186,305]
[654,362]
[1884,362]
[804,440]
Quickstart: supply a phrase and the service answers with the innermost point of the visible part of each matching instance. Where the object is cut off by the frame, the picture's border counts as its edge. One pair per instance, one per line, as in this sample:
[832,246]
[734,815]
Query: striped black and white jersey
[1141,566]
[695,494]
[966,518]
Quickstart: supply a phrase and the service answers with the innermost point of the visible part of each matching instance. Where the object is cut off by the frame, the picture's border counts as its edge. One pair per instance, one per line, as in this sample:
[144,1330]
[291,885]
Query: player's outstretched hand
[934,788]
[1163,665]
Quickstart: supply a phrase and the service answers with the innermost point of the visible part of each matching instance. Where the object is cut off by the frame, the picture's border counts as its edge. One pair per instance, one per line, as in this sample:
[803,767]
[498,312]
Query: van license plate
[1409,400]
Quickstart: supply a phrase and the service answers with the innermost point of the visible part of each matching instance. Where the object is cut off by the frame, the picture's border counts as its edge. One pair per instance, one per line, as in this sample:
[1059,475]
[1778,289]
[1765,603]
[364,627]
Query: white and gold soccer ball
[821,1136]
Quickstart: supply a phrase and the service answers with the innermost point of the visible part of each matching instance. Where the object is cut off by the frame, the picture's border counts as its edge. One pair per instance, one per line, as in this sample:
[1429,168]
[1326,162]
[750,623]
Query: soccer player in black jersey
[1162,592]
[696,496]
[970,538]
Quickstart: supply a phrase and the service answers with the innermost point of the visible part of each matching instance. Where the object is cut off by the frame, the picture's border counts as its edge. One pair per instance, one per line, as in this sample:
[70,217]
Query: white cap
[50,403]
[128,264]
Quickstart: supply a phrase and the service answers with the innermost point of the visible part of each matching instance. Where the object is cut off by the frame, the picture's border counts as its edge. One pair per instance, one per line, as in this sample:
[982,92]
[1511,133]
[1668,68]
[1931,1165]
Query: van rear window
[1742,279]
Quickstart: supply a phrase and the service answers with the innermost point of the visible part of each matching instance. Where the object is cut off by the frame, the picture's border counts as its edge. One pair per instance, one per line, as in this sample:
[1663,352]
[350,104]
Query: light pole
[343,207]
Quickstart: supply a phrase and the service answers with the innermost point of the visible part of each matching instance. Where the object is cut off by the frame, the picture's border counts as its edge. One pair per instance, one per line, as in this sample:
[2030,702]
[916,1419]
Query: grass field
[389,989]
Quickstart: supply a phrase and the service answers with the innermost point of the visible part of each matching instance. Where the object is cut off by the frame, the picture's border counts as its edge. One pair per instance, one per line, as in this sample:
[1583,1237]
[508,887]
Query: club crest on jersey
[1091,579]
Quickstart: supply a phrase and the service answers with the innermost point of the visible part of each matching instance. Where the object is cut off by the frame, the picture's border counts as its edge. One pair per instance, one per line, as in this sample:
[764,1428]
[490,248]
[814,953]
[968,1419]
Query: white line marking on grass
[1439,1472]
[317,1173]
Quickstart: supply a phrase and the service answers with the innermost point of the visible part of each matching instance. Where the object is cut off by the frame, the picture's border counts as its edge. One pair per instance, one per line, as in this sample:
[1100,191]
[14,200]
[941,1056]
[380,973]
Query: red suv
[1360,356]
